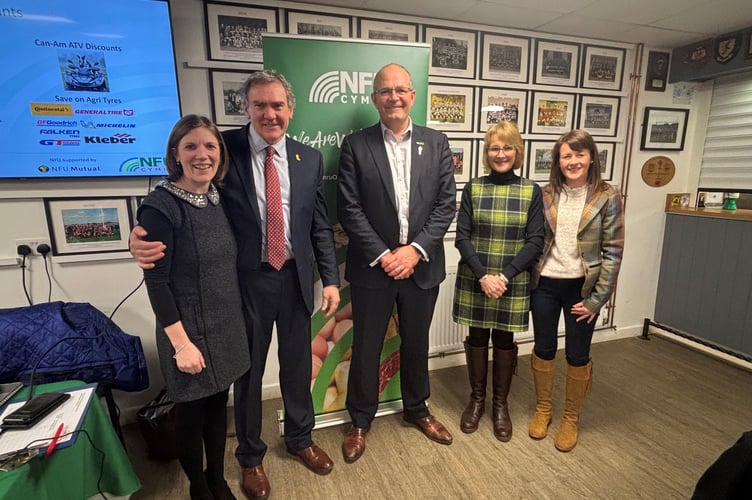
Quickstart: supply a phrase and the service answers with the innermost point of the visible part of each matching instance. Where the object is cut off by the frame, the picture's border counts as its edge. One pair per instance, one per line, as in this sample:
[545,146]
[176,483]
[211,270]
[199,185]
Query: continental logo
[346,87]
[51,109]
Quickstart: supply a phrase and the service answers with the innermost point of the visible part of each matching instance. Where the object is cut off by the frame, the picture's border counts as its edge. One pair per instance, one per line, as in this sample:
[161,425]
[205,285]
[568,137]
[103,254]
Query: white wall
[105,283]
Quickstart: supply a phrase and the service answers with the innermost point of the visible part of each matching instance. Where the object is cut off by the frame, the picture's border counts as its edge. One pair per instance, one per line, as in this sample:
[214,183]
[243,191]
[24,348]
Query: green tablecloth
[72,473]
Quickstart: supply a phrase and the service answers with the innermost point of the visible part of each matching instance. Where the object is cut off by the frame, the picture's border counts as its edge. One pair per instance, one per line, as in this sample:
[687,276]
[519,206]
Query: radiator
[445,335]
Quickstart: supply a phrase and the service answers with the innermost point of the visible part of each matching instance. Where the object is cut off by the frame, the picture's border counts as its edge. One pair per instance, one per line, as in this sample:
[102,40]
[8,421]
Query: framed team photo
[603,68]
[664,129]
[606,151]
[505,58]
[450,108]
[540,161]
[551,113]
[452,52]
[227,97]
[462,159]
[502,105]
[234,32]
[307,23]
[556,63]
[599,115]
[372,29]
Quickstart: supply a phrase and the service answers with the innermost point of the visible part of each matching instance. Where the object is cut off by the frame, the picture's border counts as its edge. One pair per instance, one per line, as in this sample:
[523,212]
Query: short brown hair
[182,128]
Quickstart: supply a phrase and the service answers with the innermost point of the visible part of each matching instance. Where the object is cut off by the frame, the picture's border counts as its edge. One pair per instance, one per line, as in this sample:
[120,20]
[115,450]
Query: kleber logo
[151,164]
[342,86]
[60,142]
[114,139]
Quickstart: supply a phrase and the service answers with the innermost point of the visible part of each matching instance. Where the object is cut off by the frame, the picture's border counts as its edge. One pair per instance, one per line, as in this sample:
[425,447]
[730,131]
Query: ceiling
[656,23]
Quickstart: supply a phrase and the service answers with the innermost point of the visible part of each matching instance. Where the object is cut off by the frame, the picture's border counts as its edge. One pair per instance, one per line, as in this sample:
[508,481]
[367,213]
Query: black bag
[157,423]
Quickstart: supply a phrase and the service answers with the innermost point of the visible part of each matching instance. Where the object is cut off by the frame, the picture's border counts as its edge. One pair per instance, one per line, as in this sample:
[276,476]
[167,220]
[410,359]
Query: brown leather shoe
[432,428]
[254,483]
[315,459]
[354,444]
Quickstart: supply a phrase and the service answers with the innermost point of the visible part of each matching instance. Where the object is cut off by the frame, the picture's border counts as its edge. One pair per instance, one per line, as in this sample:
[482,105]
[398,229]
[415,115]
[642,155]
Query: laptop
[8,390]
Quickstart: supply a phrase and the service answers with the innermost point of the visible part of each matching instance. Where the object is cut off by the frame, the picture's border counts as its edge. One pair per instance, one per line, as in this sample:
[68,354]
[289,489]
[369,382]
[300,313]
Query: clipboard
[71,414]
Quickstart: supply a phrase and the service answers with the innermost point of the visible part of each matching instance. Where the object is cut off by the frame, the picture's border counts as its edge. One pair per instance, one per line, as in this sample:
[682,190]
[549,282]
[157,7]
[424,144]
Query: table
[72,473]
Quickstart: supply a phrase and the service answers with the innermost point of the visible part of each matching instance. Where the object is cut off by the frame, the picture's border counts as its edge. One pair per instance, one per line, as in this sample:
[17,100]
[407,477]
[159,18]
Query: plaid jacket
[600,239]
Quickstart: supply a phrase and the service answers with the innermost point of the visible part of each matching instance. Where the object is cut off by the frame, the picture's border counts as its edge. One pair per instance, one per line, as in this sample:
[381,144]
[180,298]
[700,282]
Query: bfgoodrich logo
[346,87]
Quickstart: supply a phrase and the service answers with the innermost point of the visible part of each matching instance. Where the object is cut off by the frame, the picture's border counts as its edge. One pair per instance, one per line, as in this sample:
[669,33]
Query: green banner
[333,81]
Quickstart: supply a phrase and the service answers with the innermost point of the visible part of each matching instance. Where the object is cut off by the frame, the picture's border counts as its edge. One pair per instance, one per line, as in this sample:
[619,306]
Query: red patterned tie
[275,221]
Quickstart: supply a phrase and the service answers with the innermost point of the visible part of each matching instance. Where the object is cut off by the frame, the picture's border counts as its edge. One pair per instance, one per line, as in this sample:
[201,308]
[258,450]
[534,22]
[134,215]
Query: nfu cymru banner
[333,81]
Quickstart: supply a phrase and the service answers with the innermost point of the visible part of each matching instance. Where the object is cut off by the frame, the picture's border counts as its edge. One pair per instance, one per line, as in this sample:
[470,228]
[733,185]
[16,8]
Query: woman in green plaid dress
[499,237]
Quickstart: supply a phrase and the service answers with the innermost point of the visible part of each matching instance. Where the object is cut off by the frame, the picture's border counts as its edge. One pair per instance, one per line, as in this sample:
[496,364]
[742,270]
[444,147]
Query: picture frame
[513,104]
[664,129]
[748,45]
[606,151]
[313,24]
[376,29]
[234,31]
[452,230]
[505,58]
[462,158]
[88,225]
[677,200]
[551,113]
[657,71]
[556,63]
[540,161]
[452,52]
[227,97]
[603,68]
[450,108]
[599,115]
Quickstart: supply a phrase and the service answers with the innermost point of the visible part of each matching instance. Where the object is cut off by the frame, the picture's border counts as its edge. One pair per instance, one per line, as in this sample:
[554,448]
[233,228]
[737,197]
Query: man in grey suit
[395,200]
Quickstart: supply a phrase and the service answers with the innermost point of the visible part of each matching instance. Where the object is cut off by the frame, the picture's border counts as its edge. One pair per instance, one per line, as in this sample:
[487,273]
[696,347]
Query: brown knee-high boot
[579,381]
[477,370]
[543,376]
[504,365]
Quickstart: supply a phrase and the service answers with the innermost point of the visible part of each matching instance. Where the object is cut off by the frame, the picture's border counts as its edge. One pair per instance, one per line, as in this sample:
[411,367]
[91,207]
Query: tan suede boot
[579,381]
[477,370]
[543,375]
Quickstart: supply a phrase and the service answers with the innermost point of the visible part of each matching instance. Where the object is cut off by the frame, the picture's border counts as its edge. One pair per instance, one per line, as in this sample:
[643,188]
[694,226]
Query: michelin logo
[343,87]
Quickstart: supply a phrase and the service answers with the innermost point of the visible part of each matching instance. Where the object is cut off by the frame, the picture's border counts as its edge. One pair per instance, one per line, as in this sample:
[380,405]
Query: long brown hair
[577,140]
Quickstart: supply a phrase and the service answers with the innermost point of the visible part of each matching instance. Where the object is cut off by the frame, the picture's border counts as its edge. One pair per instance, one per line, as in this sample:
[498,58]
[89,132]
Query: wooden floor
[658,416]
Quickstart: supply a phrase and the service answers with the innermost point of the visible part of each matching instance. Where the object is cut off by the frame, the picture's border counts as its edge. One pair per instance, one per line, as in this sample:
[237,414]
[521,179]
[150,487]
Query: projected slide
[89,88]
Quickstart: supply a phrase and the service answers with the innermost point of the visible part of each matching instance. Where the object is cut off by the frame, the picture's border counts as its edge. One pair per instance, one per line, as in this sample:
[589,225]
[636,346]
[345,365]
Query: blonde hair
[508,133]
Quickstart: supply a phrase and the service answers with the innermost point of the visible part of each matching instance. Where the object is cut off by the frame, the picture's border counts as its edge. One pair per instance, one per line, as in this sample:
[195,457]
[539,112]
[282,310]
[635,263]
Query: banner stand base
[330,419]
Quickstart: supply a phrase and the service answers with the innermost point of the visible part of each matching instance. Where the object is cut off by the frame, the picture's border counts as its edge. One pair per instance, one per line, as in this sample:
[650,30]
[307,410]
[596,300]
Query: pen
[52,444]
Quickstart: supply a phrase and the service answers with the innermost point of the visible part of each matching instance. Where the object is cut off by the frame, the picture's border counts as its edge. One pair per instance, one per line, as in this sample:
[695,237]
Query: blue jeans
[547,301]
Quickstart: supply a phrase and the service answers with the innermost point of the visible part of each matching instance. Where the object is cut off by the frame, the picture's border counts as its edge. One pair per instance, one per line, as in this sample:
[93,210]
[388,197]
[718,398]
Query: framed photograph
[452,52]
[306,23]
[227,96]
[603,68]
[450,108]
[234,31]
[450,234]
[677,200]
[551,113]
[664,129]
[462,159]
[606,153]
[501,105]
[539,159]
[505,58]
[372,29]
[657,71]
[556,63]
[599,115]
[748,44]
[88,225]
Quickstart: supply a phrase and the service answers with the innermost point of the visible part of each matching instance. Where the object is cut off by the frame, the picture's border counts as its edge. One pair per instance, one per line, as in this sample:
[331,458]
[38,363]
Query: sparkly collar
[197,200]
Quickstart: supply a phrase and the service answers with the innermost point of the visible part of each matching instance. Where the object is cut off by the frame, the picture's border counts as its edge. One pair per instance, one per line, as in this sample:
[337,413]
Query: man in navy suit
[283,297]
[395,200]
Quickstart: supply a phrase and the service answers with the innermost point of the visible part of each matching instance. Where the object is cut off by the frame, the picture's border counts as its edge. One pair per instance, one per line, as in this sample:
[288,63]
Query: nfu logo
[341,86]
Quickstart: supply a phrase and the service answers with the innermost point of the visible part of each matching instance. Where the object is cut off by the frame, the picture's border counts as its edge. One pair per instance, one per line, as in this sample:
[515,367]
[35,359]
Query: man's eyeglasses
[494,150]
[387,91]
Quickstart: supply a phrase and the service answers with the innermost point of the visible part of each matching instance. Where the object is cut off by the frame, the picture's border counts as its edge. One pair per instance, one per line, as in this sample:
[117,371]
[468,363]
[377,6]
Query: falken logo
[343,87]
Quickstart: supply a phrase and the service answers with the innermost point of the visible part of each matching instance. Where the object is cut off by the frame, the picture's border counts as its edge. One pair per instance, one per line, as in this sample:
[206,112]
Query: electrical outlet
[33,243]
